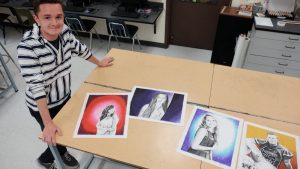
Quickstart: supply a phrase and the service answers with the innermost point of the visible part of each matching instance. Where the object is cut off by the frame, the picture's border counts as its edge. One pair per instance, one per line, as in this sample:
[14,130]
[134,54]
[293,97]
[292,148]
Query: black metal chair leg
[3,31]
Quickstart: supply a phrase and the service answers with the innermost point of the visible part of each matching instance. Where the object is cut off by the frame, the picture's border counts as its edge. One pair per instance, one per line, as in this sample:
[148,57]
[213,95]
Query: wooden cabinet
[230,26]
[274,52]
[193,24]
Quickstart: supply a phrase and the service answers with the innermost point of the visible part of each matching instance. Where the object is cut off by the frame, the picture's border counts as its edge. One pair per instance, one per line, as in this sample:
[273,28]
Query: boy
[44,55]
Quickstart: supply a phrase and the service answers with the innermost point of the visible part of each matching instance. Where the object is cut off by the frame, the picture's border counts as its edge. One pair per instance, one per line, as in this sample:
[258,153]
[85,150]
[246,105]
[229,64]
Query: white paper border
[236,147]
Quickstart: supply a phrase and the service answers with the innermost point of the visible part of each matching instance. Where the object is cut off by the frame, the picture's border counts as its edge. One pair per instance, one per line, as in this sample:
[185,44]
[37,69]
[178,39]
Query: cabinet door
[194,24]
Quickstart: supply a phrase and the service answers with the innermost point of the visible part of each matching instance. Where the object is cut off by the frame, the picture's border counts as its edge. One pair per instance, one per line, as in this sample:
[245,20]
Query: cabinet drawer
[272,69]
[281,63]
[275,53]
[277,36]
[259,43]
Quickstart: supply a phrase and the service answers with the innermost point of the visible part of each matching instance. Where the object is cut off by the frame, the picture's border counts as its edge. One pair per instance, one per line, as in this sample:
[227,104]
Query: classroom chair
[3,17]
[118,29]
[78,25]
[24,18]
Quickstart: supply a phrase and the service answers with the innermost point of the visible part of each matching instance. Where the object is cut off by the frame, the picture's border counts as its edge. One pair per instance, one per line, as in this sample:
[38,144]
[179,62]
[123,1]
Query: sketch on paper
[212,137]
[266,148]
[103,115]
[158,105]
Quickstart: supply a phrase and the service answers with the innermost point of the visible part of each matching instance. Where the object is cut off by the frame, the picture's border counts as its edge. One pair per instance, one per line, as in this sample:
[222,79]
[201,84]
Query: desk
[288,28]
[256,93]
[104,9]
[135,68]
[153,145]
[135,149]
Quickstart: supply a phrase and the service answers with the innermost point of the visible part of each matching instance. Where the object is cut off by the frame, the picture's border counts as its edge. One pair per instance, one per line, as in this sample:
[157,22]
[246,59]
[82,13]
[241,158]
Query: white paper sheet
[263,21]
[240,51]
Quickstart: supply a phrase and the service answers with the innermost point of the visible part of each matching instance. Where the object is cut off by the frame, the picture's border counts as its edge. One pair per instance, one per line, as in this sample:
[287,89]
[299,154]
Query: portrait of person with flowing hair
[107,122]
[213,137]
[157,107]
[206,137]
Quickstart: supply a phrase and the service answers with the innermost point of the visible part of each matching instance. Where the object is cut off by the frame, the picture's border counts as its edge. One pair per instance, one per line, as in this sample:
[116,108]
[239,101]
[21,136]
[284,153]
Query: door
[194,24]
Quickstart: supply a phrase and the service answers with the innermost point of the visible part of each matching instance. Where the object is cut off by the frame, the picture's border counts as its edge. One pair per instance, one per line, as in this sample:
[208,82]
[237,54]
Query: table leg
[86,161]
[58,161]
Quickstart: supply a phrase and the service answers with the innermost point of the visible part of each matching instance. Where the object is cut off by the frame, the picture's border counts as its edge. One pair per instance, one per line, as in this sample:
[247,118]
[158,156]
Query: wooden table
[282,126]
[135,68]
[256,97]
[256,93]
[148,144]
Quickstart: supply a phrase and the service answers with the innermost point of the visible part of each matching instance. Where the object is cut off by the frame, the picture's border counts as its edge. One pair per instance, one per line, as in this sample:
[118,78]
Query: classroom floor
[19,143]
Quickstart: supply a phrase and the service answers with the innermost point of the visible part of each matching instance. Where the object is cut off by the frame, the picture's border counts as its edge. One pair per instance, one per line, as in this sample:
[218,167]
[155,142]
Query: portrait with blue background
[229,132]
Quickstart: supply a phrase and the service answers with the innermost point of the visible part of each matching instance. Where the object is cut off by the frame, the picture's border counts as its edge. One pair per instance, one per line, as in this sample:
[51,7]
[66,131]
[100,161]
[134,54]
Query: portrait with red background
[91,111]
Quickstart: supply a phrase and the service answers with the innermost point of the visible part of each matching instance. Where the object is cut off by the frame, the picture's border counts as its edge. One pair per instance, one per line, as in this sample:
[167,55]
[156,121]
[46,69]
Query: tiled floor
[19,145]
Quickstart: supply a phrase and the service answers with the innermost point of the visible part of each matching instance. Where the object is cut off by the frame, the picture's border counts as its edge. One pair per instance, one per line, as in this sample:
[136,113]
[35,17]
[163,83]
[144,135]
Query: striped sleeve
[31,70]
[79,48]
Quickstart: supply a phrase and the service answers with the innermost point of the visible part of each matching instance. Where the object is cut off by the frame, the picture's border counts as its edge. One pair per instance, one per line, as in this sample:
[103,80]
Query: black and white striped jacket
[46,70]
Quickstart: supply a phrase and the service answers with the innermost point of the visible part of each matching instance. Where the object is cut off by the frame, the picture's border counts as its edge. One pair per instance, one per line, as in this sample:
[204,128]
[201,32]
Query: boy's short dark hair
[36,4]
